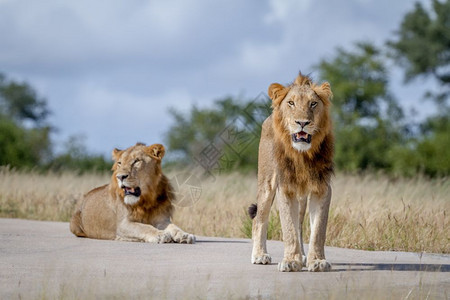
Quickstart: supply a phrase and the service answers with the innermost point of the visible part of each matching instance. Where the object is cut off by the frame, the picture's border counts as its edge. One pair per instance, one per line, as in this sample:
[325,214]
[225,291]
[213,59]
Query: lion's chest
[301,177]
[141,215]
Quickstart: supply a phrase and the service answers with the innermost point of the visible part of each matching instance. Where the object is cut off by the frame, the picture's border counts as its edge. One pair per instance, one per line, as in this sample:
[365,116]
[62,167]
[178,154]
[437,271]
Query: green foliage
[370,130]
[191,133]
[428,153]
[369,126]
[75,157]
[359,82]
[360,147]
[422,46]
[25,136]
[19,101]
[274,231]
[232,126]
[13,146]
[367,119]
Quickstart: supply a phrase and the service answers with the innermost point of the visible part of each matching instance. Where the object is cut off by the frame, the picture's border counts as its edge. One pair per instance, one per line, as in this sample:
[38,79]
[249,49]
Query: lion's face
[137,170]
[302,110]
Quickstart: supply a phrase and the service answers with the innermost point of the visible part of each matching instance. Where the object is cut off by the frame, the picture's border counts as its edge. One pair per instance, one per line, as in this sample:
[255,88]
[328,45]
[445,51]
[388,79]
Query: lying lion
[295,164]
[135,206]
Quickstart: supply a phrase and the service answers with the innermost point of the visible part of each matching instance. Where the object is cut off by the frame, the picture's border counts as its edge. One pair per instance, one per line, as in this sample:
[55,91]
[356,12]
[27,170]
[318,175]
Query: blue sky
[111,69]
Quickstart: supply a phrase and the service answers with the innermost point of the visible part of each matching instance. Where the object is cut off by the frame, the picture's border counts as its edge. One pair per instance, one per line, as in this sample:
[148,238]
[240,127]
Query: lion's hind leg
[75,224]
[260,215]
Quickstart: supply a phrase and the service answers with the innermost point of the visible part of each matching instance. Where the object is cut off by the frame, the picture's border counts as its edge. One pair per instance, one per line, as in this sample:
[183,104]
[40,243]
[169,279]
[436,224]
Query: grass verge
[370,212]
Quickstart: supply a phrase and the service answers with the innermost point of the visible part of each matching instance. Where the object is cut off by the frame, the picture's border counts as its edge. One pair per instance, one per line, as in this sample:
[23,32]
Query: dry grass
[370,212]
[378,213]
[48,196]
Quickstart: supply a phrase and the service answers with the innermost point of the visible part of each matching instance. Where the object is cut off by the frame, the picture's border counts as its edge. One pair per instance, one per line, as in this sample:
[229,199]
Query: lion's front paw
[319,265]
[184,238]
[262,259]
[164,237]
[290,266]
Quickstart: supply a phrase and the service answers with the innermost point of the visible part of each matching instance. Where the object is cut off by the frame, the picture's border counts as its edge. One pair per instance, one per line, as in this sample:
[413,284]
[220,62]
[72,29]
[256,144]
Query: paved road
[44,260]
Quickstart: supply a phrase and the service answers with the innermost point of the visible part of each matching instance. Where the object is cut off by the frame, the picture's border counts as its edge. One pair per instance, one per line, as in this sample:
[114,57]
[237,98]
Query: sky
[110,70]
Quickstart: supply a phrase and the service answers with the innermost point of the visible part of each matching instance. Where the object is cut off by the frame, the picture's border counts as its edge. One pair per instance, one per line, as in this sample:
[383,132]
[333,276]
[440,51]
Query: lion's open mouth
[132,191]
[301,137]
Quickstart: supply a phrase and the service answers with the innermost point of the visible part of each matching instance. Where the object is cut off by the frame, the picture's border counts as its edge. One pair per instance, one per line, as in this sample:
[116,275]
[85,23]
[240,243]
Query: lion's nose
[121,176]
[302,124]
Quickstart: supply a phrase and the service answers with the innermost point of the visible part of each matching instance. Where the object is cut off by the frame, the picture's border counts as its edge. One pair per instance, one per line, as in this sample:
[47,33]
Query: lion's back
[95,215]
[266,162]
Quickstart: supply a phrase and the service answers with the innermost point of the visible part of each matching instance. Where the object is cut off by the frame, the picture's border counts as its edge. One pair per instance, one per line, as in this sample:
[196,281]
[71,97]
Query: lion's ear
[324,92]
[156,151]
[116,154]
[277,92]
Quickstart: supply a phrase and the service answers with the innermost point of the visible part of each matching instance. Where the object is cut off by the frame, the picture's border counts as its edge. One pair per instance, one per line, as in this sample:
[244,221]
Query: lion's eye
[291,103]
[136,161]
[313,104]
[119,163]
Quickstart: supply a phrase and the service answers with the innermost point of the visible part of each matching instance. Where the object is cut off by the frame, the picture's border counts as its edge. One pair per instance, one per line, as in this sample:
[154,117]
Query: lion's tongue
[129,190]
[301,134]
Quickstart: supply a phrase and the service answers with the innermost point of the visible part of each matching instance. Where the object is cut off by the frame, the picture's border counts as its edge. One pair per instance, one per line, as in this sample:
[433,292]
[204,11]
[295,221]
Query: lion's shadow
[201,241]
[344,267]
[339,267]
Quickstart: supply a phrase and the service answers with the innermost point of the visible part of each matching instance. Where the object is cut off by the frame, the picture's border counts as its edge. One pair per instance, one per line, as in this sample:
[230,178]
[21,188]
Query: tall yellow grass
[372,212]
[48,196]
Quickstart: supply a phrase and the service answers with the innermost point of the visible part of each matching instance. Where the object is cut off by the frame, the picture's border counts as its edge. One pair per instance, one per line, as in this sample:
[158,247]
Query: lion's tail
[252,209]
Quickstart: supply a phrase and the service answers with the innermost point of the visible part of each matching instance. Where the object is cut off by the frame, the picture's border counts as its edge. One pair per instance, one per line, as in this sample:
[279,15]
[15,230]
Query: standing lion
[135,206]
[295,164]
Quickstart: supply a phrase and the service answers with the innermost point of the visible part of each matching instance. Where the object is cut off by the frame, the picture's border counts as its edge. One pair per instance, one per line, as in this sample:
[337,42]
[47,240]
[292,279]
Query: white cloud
[266,57]
[96,59]
[121,119]
[58,34]
[281,10]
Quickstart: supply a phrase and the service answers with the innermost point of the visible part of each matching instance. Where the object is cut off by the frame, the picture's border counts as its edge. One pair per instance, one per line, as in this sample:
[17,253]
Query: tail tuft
[252,210]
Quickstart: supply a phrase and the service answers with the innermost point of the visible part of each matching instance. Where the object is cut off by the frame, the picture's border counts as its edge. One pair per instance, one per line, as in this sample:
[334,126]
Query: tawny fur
[103,214]
[292,175]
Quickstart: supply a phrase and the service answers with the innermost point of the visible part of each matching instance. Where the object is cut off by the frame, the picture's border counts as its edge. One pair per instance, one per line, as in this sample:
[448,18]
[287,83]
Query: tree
[367,118]
[422,47]
[360,84]
[428,152]
[76,157]
[20,102]
[231,127]
[191,132]
[422,44]
[24,136]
